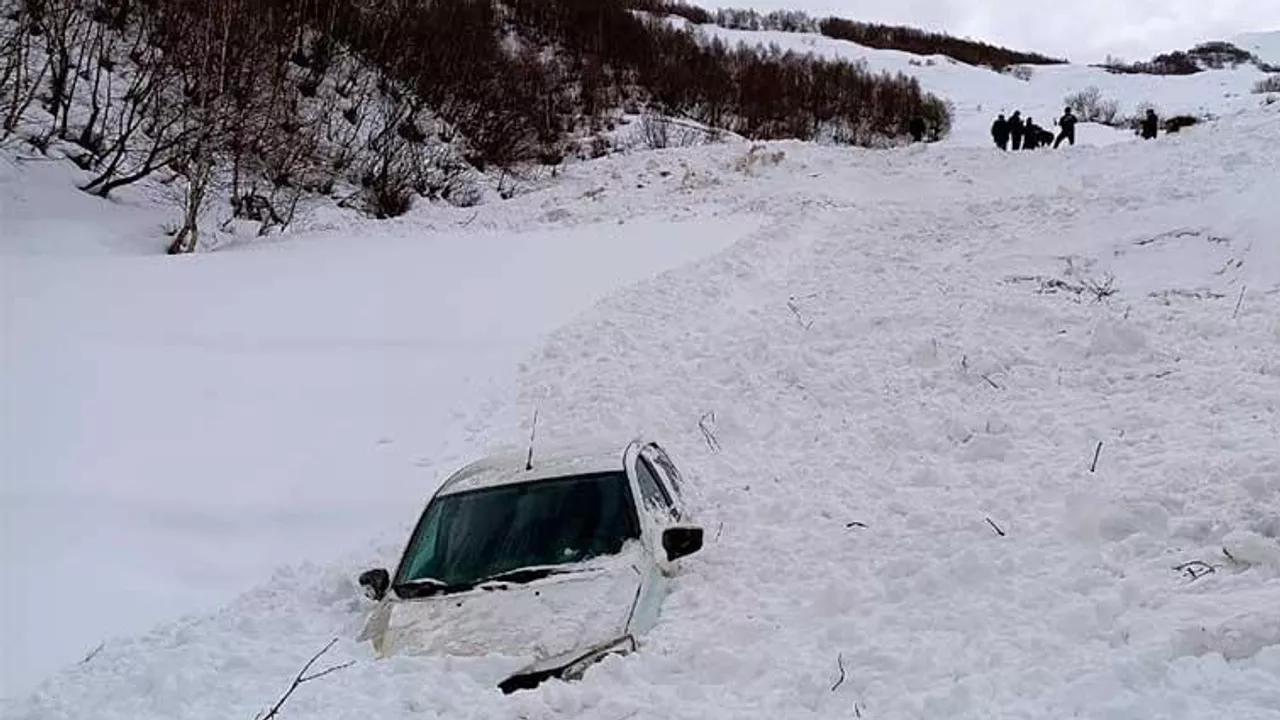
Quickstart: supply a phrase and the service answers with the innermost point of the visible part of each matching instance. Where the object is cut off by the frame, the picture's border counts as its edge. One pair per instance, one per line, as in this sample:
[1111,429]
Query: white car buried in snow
[560,559]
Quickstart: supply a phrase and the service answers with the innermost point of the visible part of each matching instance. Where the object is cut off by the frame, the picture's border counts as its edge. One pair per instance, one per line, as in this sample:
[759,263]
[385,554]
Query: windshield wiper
[421,587]
[521,575]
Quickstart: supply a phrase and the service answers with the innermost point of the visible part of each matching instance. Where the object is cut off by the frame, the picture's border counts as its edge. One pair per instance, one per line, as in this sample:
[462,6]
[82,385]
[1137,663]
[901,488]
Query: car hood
[556,616]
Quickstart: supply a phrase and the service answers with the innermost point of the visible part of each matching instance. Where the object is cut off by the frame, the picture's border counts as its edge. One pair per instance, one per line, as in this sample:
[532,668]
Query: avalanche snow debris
[932,615]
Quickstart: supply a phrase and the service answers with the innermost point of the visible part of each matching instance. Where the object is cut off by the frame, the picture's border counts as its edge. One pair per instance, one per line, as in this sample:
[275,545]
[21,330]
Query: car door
[657,512]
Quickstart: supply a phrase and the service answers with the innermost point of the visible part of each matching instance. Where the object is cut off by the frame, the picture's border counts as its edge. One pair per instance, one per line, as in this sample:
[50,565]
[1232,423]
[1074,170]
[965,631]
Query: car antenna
[528,463]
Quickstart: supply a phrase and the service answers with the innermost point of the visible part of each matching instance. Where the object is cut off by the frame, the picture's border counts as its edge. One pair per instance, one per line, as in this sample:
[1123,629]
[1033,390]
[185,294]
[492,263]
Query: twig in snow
[94,652]
[303,677]
[707,434]
[990,382]
[1195,569]
[839,664]
[1235,314]
[795,310]
[1096,452]
[470,220]
[719,529]
[855,523]
[995,527]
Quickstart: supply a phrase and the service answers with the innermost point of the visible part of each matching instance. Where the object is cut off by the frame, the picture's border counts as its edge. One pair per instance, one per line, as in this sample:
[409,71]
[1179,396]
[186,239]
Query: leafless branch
[303,677]
[707,434]
[93,653]
[1093,466]
[1195,569]
[839,664]
[995,527]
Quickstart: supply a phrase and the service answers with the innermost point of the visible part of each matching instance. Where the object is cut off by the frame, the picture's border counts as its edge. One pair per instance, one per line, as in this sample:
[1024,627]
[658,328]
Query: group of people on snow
[1027,135]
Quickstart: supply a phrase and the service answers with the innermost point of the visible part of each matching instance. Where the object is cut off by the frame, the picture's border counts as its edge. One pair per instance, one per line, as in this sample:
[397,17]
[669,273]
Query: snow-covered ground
[979,94]
[176,428]
[898,352]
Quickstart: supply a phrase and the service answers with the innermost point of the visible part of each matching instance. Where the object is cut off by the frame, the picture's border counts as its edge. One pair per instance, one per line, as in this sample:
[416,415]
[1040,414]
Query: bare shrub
[1021,72]
[1090,106]
[1269,84]
[756,158]
[655,131]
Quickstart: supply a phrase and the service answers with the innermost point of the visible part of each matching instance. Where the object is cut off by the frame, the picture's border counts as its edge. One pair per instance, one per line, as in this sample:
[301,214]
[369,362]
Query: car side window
[666,468]
[654,494]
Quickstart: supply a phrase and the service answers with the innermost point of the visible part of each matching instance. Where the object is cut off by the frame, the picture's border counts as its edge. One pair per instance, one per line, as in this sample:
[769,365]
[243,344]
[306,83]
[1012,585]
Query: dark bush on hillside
[919,42]
[762,94]
[886,37]
[1210,55]
[1177,122]
[692,13]
[269,99]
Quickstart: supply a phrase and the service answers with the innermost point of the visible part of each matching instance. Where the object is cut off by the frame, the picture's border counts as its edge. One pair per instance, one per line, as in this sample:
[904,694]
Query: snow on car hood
[556,615]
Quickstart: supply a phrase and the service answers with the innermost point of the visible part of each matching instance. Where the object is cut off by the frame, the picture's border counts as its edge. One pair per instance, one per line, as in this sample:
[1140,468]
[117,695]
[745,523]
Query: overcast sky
[1082,30]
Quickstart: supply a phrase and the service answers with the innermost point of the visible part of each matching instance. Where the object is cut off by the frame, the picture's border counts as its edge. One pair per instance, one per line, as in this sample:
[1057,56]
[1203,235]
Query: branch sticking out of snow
[304,677]
[707,434]
[1195,569]
[995,527]
[840,665]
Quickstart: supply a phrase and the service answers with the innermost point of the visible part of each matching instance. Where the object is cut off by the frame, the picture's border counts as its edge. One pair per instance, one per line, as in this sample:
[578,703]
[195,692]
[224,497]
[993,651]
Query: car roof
[508,468]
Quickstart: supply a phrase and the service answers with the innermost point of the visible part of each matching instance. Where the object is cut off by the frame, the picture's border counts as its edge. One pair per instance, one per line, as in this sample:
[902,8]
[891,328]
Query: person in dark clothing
[1016,129]
[1150,125]
[917,129]
[1068,124]
[1000,132]
[1031,135]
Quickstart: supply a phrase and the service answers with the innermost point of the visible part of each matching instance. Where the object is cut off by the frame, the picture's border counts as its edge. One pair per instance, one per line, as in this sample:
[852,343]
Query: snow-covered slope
[176,428]
[910,359]
[979,93]
[1266,45]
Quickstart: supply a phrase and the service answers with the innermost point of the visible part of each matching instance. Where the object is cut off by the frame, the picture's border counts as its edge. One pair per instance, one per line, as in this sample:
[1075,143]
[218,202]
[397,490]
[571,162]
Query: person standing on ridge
[1150,125]
[1015,129]
[1000,132]
[1068,124]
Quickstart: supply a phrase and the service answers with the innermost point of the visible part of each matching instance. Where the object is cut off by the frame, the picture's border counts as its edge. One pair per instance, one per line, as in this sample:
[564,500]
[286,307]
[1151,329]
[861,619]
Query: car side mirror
[375,583]
[681,540]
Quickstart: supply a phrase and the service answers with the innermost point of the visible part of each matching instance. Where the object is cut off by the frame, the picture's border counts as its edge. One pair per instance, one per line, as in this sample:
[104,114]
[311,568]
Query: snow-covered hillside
[979,93]
[1266,45]
[910,360]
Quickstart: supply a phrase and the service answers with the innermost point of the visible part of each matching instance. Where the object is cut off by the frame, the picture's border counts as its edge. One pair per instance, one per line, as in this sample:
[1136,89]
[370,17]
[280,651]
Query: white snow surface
[176,428]
[909,359]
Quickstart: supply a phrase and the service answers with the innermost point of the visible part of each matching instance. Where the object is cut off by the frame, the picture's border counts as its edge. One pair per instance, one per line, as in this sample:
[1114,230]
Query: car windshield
[467,537]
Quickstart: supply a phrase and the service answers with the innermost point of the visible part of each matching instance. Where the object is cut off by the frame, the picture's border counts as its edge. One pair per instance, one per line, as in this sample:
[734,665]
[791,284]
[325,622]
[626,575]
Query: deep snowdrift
[175,428]
[912,344]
